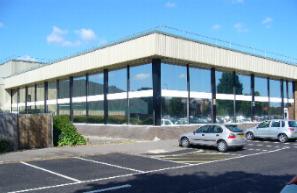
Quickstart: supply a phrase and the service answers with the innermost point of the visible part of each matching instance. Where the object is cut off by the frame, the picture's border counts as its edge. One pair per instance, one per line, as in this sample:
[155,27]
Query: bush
[5,146]
[65,133]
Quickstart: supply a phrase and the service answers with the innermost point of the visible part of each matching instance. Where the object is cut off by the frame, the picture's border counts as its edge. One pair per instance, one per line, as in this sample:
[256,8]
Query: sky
[47,30]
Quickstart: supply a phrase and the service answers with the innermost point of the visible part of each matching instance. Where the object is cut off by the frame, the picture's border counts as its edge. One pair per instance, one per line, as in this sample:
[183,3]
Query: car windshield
[292,123]
[233,128]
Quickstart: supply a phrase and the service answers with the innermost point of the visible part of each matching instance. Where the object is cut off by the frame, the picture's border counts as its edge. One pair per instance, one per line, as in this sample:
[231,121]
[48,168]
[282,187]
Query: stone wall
[27,131]
[140,132]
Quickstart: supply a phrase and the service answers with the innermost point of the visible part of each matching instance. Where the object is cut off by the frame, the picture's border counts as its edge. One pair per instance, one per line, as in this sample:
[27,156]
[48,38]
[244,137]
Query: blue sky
[51,29]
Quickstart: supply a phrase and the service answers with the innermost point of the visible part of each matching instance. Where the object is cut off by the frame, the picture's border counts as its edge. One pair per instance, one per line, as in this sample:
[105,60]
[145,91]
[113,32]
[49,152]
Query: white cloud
[267,22]
[240,27]
[216,27]
[142,76]
[59,36]
[170,4]
[27,58]
[1,24]
[182,76]
[86,34]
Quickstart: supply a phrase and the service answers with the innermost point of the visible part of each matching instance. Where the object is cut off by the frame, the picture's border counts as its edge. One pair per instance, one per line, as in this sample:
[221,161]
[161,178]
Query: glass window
[64,88]
[243,84]
[200,79]
[173,77]
[275,111]
[95,85]
[264,124]
[141,111]
[79,86]
[31,98]
[224,82]
[96,112]
[79,108]
[275,88]
[261,111]
[215,129]
[117,111]
[40,97]
[203,129]
[225,111]
[261,86]
[275,124]
[141,77]
[22,99]
[175,110]
[233,128]
[200,110]
[243,111]
[14,97]
[117,81]
[52,90]
[290,90]
[292,123]
[200,104]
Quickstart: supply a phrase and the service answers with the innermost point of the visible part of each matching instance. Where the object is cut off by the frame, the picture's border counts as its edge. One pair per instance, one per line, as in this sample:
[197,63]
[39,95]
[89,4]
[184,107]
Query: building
[157,78]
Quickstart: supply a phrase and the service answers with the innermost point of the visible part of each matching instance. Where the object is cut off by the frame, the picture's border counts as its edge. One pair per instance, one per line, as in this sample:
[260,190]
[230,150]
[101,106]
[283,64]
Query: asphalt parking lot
[181,171]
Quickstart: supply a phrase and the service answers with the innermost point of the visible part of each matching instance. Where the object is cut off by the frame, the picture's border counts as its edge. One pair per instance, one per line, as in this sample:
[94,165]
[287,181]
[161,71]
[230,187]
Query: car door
[274,129]
[200,135]
[262,129]
[213,134]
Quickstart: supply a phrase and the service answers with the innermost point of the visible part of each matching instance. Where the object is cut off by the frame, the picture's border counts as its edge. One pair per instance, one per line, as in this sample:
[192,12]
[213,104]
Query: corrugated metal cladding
[161,45]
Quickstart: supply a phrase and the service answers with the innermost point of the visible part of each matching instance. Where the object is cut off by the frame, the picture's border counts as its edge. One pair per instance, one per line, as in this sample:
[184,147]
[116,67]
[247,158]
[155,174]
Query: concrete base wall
[140,132]
[9,129]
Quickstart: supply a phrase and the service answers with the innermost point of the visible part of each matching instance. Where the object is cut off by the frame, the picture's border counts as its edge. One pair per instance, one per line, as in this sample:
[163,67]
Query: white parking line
[52,172]
[112,165]
[147,172]
[159,159]
[111,188]
[178,154]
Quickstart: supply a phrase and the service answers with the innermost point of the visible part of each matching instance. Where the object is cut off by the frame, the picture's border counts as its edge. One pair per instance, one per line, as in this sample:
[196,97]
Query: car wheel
[184,142]
[250,136]
[222,146]
[283,138]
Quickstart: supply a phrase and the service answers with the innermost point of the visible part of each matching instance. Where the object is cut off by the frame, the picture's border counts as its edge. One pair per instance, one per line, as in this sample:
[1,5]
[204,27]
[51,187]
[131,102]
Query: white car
[283,130]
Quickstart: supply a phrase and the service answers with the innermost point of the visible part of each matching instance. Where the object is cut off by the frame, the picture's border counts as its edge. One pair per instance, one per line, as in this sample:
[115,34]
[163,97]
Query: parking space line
[147,172]
[51,172]
[159,159]
[178,154]
[110,189]
[112,165]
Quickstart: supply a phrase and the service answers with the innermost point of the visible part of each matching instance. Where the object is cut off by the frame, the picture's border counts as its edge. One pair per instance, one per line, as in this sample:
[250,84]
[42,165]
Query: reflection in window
[261,111]
[275,111]
[64,86]
[64,109]
[95,87]
[96,112]
[224,111]
[31,98]
[141,111]
[117,81]
[52,96]
[14,96]
[22,98]
[173,77]
[200,110]
[40,98]
[261,86]
[117,111]
[275,88]
[141,77]
[243,84]
[175,110]
[79,108]
[224,82]
[243,111]
[290,90]
[200,80]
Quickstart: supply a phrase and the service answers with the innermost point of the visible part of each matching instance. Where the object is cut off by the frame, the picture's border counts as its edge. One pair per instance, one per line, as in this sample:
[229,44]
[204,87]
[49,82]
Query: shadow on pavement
[230,182]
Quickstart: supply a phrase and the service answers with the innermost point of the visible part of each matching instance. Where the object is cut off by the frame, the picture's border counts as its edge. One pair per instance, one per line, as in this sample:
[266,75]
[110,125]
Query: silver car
[283,130]
[222,136]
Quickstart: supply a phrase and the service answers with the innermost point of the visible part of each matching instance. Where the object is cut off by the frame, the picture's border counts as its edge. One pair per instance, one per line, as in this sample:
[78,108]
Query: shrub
[5,146]
[65,133]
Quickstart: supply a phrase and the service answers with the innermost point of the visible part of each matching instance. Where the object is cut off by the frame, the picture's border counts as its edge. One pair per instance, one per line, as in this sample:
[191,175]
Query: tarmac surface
[263,166]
